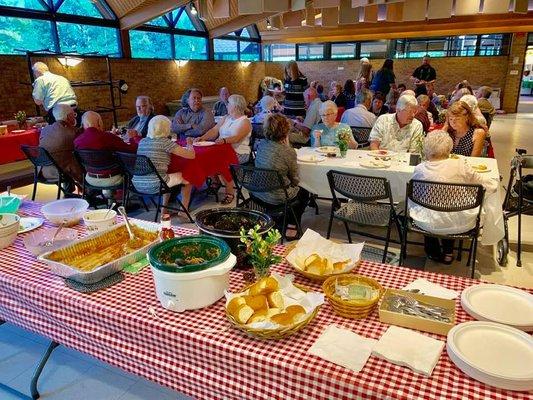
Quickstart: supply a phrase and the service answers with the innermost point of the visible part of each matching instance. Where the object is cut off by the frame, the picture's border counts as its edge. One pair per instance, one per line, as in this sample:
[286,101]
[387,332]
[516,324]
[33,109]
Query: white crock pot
[180,291]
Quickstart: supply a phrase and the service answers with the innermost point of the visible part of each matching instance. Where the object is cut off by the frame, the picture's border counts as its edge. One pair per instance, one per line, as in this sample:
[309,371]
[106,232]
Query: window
[280,52]
[343,50]
[310,52]
[249,51]
[377,49]
[226,49]
[29,4]
[184,22]
[88,38]
[494,45]
[150,44]
[463,45]
[24,34]
[190,47]
[83,8]
[245,33]
[160,21]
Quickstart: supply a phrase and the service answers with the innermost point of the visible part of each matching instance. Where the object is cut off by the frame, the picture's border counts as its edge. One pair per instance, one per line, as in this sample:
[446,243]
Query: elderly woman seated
[158,147]
[467,134]
[439,167]
[327,132]
[235,129]
[276,153]
[267,105]
[471,100]
[138,125]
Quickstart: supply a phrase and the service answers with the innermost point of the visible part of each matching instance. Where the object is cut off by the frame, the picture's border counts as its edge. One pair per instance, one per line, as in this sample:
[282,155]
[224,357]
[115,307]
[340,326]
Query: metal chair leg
[348,232]
[330,222]
[59,187]
[470,253]
[387,240]
[158,209]
[473,266]
[35,174]
[39,369]
[460,251]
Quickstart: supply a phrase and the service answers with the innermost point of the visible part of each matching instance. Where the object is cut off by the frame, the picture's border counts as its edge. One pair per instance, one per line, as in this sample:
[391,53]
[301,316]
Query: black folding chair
[139,165]
[99,163]
[260,180]
[361,135]
[40,158]
[257,136]
[365,201]
[446,198]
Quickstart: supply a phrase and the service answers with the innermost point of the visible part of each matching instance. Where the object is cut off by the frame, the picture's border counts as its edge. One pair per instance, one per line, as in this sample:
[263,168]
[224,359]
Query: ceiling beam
[239,22]
[475,24]
[148,11]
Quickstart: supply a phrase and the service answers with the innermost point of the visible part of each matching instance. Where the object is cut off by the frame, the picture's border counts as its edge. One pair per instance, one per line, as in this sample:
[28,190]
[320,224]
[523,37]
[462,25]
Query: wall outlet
[340,68]
[513,72]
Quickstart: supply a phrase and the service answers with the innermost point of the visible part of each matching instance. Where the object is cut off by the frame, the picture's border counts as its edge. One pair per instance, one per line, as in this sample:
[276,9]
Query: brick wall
[478,71]
[162,80]
[515,63]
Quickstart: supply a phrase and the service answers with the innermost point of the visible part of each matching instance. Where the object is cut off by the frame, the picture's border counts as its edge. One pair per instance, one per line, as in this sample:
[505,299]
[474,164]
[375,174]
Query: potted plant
[260,250]
[343,138]
[21,118]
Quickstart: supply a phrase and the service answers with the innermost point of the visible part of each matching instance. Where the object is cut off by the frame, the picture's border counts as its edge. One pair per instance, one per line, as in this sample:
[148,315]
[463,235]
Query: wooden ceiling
[337,20]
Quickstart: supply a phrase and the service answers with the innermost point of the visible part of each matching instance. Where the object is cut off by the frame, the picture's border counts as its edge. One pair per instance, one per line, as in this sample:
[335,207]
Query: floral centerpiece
[21,118]
[260,249]
[343,138]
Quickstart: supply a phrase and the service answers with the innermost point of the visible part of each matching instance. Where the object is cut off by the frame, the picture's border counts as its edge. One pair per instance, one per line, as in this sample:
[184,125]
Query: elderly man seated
[58,139]
[312,117]
[138,125]
[95,138]
[359,115]
[221,107]
[400,131]
[484,105]
[421,113]
[193,120]
[424,102]
[439,167]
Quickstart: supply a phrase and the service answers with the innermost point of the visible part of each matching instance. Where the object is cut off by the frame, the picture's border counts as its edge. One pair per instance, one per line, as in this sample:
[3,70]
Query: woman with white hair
[439,167]
[234,129]
[158,147]
[326,133]
[471,100]
[267,105]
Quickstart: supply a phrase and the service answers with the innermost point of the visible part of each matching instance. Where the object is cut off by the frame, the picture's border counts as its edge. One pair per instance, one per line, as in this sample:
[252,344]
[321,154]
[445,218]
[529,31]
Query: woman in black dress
[295,85]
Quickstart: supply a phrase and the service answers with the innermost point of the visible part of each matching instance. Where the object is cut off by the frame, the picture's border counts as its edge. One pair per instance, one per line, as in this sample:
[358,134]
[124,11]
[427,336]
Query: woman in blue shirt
[325,133]
[384,79]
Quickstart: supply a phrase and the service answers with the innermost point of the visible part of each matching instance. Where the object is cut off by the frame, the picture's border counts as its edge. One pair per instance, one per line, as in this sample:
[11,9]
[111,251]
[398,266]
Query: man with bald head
[50,89]
[221,106]
[94,137]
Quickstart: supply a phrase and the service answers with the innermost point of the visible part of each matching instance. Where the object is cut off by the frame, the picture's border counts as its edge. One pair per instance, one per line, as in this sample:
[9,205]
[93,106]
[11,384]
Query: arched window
[177,35]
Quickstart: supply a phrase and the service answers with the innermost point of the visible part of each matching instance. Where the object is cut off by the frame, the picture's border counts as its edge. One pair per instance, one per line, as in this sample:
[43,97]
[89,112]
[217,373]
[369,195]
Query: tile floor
[72,375]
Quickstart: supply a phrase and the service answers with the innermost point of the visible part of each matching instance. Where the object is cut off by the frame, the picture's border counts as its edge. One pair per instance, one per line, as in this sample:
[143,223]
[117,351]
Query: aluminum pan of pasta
[98,256]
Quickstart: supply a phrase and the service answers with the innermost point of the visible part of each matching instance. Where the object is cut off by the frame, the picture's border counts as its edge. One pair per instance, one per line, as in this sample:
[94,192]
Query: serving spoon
[133,241]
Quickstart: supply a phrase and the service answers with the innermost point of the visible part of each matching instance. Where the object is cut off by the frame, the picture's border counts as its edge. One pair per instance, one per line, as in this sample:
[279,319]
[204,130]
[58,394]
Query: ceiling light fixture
[194,11]
[68,61]
[269,26]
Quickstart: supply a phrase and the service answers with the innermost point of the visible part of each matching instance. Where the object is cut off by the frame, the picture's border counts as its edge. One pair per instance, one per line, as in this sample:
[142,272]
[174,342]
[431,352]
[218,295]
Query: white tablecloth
[313,178]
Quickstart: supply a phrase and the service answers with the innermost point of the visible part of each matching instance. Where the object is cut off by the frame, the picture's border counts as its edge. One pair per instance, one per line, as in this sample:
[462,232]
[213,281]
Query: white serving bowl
[95,221]
[9,227]
[68,211]
[33,241]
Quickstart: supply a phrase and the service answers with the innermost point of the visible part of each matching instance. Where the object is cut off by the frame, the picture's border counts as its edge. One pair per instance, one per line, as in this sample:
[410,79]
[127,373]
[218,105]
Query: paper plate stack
[498,303]
[492,353]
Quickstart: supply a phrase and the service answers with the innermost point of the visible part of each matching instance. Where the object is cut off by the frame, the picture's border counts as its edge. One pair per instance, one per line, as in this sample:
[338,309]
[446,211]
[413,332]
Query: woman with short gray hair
[325,133]
[234,129]
[439,167]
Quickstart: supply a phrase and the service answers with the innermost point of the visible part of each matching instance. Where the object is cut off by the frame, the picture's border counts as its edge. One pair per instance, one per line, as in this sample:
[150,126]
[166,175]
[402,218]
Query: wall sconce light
[194,11]
[244,64]
[181,63]
[68,61]
[269,26]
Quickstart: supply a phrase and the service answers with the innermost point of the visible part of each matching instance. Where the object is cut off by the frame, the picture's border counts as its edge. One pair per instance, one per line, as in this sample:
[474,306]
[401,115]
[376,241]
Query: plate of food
[381,153]
[311,158]
[327,149]
[29,224]
[17,131]
[481,168]
[375,163]
[203,144]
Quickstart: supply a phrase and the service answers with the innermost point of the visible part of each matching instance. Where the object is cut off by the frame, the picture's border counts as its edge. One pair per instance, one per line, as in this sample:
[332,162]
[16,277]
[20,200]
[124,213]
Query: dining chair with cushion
[363,201]
[446,198]
[139,165]
[361,135]
[257,180]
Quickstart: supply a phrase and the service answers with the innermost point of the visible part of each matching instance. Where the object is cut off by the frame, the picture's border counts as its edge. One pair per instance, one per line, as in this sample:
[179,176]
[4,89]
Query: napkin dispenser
[393,317]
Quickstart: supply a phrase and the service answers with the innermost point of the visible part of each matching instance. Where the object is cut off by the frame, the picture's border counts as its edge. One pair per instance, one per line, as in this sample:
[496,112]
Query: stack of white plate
[497,303]
[495,354]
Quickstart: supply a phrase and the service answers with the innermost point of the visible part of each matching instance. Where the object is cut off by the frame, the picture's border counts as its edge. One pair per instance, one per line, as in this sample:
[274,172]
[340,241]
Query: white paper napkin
[409,348]
[431,289]
[343,347]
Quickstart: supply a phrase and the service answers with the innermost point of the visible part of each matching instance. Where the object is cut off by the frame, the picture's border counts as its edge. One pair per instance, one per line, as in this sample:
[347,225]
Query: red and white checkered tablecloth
[115,326]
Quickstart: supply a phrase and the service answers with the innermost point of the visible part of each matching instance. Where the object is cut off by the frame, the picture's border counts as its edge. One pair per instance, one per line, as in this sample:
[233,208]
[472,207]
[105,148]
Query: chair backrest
[38,156]
[256,137]
[447,197]
[361,134]
[488,118]
[97,160]
[358,187]
[257,179]
[527,161]
[340,111]
[138,165]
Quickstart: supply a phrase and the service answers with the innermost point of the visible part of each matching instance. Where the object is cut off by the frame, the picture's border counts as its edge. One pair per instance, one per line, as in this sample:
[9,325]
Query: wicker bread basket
[355,309]
[278,333]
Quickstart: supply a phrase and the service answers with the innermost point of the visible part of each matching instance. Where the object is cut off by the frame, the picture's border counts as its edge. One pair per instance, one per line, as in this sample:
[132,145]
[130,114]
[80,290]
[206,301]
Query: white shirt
[53,89]
[227,129]
[391,137]
[359,116]
[449,171]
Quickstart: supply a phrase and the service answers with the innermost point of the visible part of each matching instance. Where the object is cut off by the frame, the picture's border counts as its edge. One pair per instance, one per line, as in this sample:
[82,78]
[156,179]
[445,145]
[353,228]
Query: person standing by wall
[423,75]
[295,84]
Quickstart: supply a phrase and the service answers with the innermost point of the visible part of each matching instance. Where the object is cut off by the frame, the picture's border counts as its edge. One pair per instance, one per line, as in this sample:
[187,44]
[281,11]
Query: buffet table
[199,354]
[10,144]
[313,178]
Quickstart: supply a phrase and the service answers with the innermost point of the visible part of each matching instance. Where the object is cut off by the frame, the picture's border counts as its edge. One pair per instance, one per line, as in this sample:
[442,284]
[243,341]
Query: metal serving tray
[99,273]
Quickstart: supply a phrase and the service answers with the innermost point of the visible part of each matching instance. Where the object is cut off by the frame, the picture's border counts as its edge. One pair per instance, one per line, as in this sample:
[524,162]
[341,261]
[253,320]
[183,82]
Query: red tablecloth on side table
[209,161]
[10,145]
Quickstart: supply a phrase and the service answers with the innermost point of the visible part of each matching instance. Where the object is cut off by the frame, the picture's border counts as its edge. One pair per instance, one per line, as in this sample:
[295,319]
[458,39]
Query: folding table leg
[39,369]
